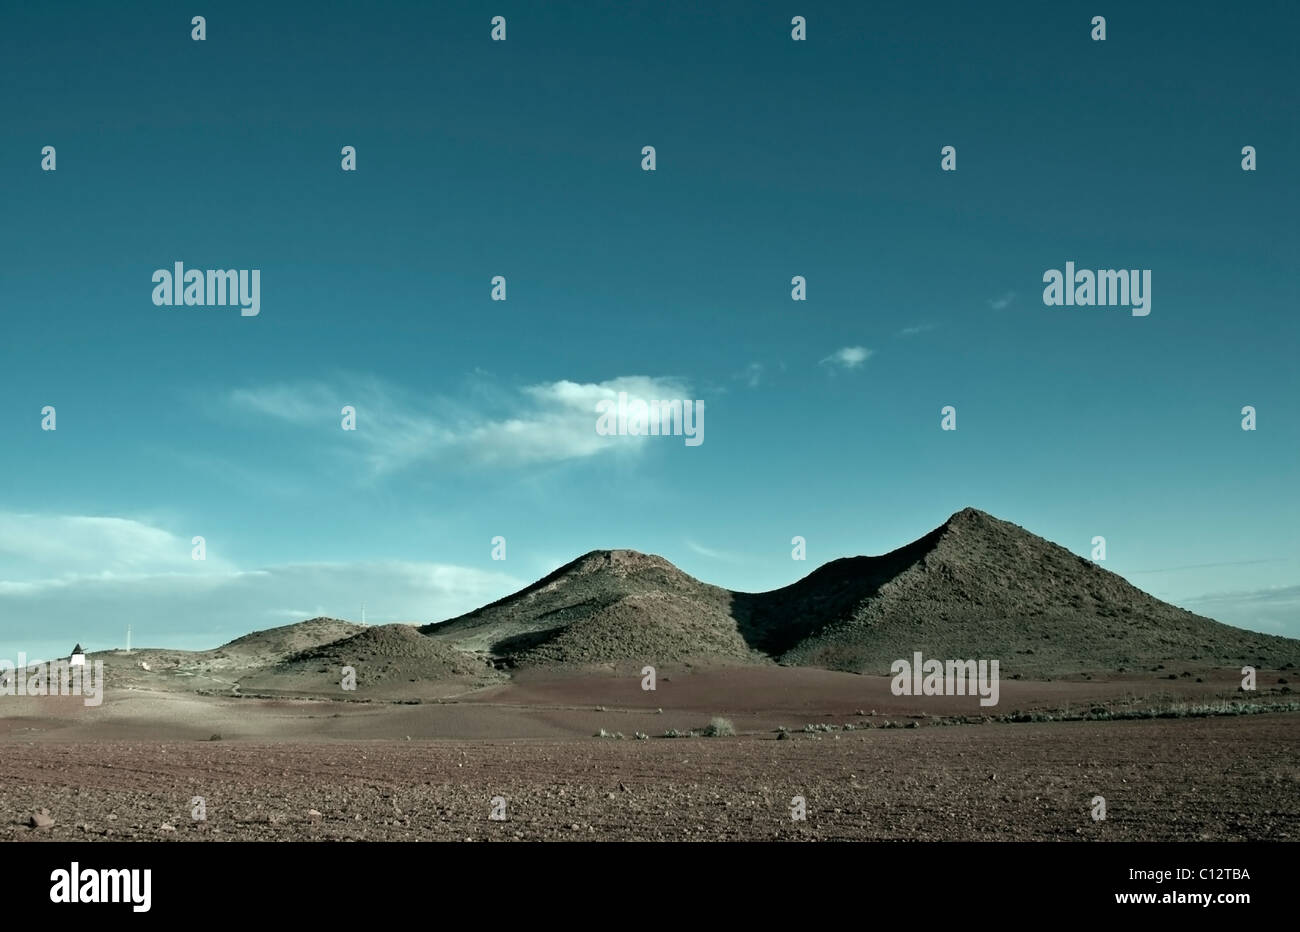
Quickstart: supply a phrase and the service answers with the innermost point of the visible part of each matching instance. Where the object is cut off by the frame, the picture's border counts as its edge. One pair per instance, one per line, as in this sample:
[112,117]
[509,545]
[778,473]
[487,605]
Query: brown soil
[1196,779]
[386,770]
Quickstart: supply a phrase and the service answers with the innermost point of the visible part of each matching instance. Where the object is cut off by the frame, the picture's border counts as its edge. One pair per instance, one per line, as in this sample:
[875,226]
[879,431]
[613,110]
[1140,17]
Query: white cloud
[547,422]
[190,604]
[559,423]
[913,331]
[850,357]
[68,546]
[1003,302]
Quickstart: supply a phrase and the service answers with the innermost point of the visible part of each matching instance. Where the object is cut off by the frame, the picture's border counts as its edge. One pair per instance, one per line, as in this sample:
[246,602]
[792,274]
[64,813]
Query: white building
[78,658]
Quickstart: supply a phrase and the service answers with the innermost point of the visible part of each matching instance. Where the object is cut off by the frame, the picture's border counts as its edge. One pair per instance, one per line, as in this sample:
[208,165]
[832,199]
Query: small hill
[279,643]
[607,606]
[221,669]
[391,662]
[390,650]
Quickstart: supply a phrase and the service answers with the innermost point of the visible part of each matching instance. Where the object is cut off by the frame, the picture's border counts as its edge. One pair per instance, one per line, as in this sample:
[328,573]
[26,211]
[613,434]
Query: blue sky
[522,158]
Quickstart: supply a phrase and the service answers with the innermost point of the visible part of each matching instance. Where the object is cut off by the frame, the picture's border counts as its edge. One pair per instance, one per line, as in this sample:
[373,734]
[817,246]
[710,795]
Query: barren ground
[1193,779]
[130,768]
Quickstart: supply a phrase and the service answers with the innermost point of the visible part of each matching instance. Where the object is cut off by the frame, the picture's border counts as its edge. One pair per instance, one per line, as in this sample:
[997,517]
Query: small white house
[78,658]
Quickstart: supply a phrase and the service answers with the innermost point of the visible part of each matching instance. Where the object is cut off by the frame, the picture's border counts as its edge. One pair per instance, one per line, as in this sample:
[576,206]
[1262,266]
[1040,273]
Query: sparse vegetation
[1134,710]
[719,728]
[674,733]
[1168,709]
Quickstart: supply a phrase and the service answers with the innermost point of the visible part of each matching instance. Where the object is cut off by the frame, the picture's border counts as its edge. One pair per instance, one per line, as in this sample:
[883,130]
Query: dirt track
[1192,779]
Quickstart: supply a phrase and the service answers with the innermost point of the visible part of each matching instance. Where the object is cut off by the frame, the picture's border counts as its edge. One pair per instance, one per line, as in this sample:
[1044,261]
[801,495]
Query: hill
[976,587]
[390,661]
[277,643]
[979,587]
[607,606]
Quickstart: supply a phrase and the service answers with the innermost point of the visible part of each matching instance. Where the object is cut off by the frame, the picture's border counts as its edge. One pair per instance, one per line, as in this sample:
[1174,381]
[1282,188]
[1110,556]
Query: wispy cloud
[143,575]
[849,357]
[1002,302]
[711,553]
[913,331]
[546,422]
[70,546]
[752,375]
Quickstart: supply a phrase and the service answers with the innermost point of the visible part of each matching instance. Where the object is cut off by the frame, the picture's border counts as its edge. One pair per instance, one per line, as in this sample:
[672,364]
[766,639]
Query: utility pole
[128,639]
[363,613]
